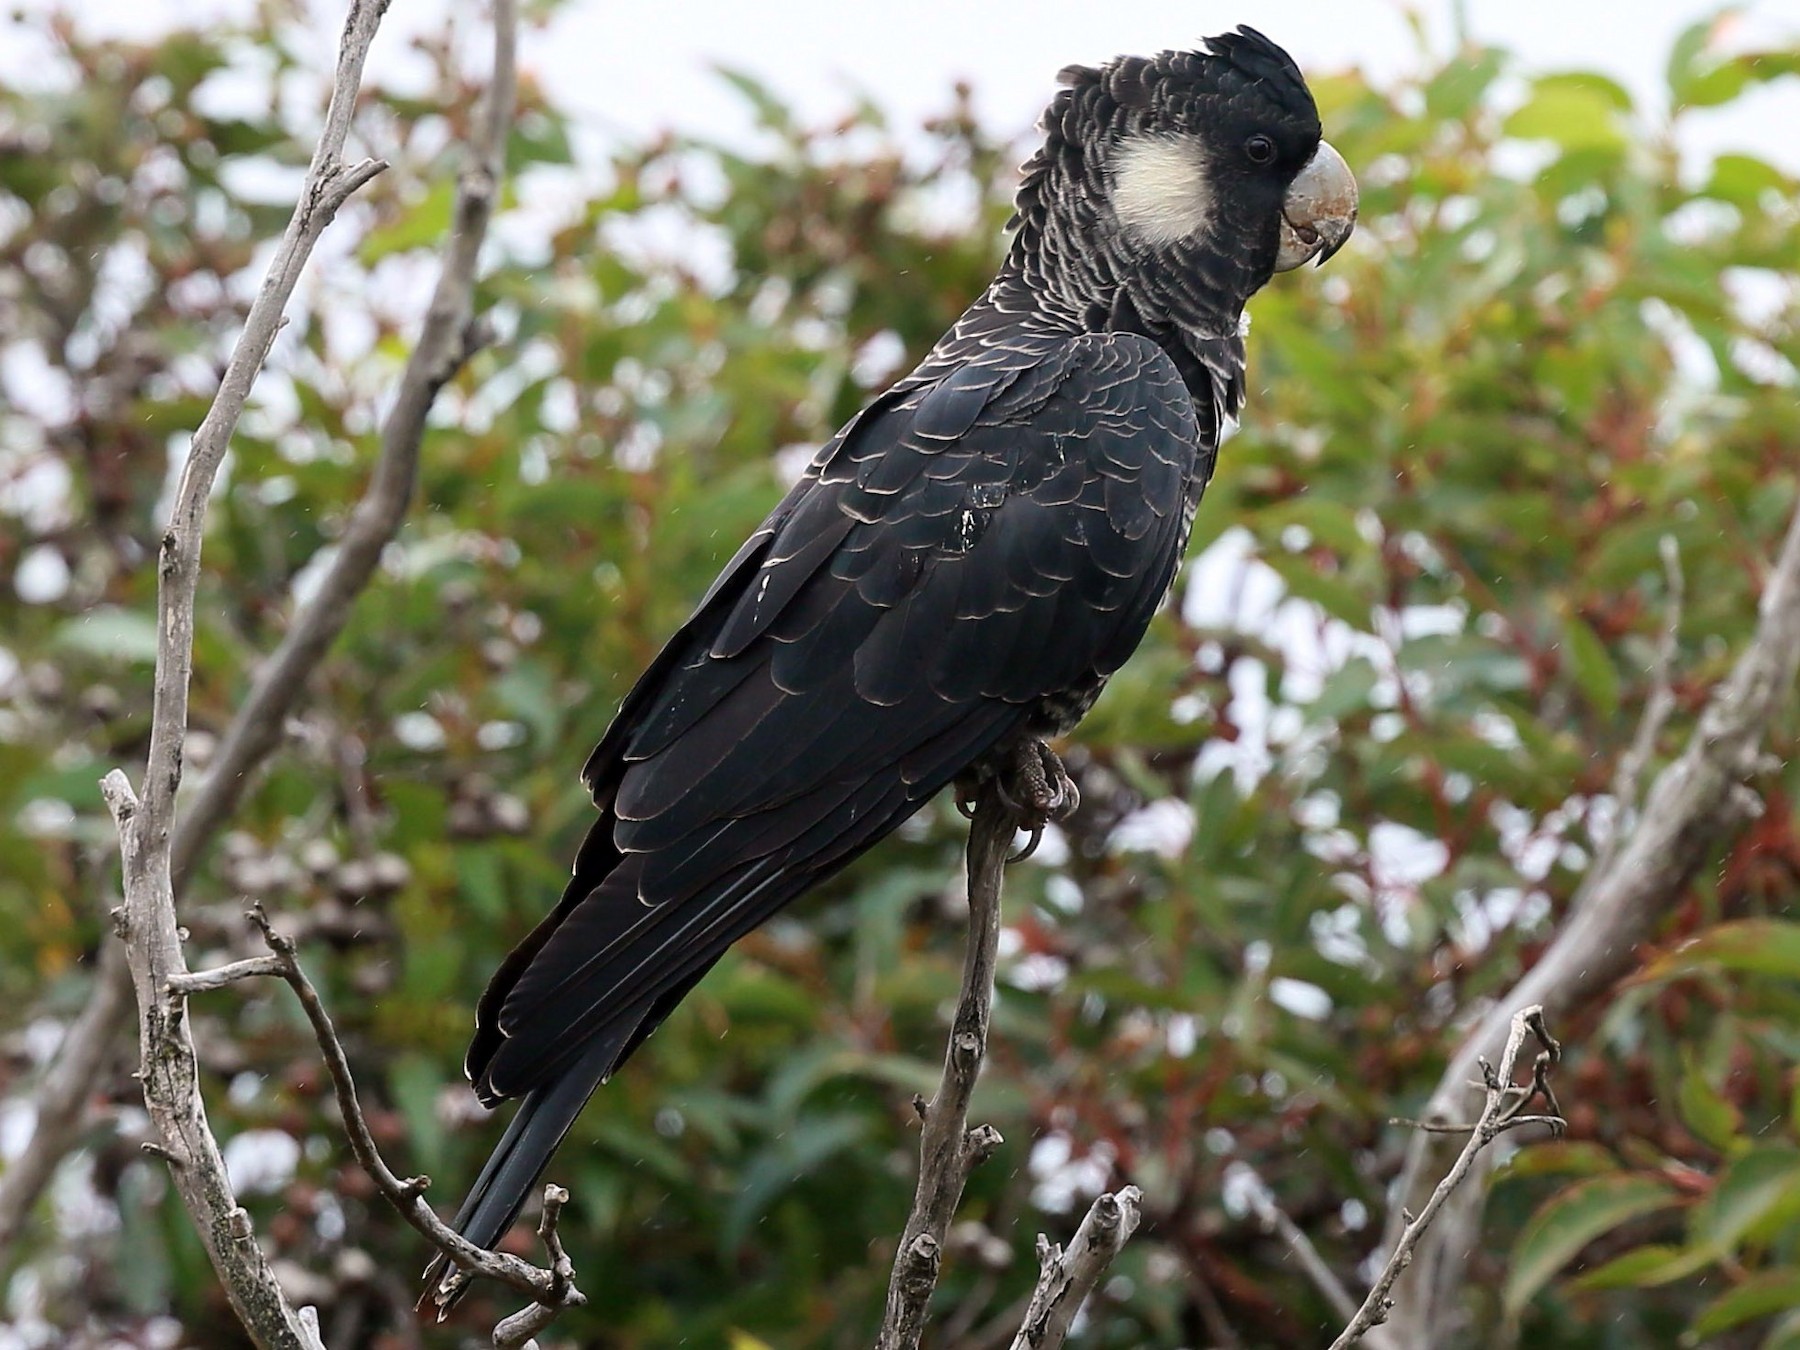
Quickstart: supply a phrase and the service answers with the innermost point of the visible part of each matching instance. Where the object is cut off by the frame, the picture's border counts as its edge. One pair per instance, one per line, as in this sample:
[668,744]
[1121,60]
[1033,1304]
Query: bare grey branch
[169,1069]
[1066,1278]
[948,1149]
[1697,801]
[1275,1220]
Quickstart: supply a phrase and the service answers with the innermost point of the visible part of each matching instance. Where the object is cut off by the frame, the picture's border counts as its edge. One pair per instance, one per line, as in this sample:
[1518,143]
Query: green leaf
[1647,1267]
[1456,90]
[1329,522]
[1769,1291]
[771,112]
[1749,946]
[1577,116]
[1720,82]
[528,692]
[1330,593]
[1785,1335]
[111,633]
[1590,83]
[1571,1219]
[1703,1110]
[1744,180]
[423,223]
[1564,1158]
[1685,53]
[784,1162]
[1591,665]
[414,1081]
[1346,690]
[1750,1189]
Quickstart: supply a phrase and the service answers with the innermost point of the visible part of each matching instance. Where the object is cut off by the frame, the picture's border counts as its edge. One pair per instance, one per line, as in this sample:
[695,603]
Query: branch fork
[1507,1107]
[1067,1277]
[1025,789]
[550,1288]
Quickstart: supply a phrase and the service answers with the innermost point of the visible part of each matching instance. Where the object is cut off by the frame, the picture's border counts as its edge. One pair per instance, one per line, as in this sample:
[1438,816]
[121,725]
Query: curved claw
[1031,846]
[1061,797]
[1034,788]
[1017,809]
[1068,795]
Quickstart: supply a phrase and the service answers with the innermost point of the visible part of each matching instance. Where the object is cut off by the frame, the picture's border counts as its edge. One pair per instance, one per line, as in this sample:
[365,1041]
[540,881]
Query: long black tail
[505,1183]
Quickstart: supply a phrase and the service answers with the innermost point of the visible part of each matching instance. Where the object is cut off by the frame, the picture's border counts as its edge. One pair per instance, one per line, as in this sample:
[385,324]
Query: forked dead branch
[1506,1105]
[551,1288]
[147,821]
[1028,794]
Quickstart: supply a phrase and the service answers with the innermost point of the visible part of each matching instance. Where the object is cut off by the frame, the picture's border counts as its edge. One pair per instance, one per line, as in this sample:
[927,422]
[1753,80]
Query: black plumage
[960,568]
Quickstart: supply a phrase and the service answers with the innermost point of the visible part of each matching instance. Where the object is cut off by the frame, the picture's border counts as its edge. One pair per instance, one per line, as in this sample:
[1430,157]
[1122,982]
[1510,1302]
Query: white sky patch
[1183,1035]
[1164,828]
[1337,936]
[1403,859]
[1480,918]
[878,360]
[34,487]
[81,1211]
[419,731]
[1062,1178]
[46,818]
[1300,998]
[1037,972]
[35,388]
[261,1161]
[42,576]
[18,1122]
[1062,892]
[791,462]
[311,575]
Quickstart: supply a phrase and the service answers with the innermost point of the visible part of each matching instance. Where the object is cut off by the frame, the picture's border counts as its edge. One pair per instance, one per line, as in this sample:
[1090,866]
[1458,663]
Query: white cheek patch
[1160,192]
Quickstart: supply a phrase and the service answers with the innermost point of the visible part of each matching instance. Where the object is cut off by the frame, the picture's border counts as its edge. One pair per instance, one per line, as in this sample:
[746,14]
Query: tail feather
[505,1183]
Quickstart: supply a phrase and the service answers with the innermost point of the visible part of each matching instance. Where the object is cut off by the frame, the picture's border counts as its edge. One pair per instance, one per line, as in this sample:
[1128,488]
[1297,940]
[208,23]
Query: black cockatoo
[954,577]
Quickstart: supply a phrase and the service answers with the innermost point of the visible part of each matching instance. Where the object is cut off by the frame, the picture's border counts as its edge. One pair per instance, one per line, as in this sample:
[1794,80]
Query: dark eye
[1260,149]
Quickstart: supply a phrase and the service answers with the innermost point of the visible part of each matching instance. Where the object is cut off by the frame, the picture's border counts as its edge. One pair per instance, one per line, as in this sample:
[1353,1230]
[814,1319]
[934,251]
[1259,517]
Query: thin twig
[552,1288]
[1503,1110]
[518,1329]
[1212,1315]
[1274,1219]
[1066,1278]
[218,977]
[1697,803]
[948,1148]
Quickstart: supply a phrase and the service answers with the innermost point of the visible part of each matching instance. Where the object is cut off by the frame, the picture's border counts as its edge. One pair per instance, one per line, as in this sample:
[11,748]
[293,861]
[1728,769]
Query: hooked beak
[1319,211]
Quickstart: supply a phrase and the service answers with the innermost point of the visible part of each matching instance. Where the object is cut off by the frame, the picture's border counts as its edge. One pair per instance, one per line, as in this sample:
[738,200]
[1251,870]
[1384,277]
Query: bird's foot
[1035,788]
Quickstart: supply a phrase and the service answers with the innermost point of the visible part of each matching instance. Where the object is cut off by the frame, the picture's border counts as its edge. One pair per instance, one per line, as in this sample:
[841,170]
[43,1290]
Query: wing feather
[961,552]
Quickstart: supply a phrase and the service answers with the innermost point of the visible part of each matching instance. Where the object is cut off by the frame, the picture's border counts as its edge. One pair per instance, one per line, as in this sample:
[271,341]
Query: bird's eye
[1260,149]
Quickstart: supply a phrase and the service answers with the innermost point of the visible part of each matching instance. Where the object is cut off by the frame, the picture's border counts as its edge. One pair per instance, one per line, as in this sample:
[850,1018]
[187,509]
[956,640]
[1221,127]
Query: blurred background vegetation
[1342,795]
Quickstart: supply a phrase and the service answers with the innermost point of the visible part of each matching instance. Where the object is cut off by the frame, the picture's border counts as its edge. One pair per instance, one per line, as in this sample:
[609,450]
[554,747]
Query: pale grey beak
[1319,211]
